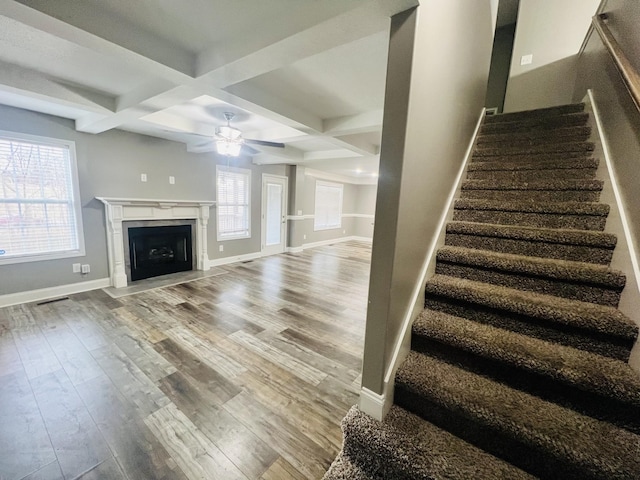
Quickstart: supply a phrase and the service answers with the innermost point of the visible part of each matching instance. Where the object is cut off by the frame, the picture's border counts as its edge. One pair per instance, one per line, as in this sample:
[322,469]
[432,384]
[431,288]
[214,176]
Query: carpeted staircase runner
[518,367]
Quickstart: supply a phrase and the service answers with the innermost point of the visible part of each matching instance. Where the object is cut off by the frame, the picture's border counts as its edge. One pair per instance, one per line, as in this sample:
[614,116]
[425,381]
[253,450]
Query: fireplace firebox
[155,251]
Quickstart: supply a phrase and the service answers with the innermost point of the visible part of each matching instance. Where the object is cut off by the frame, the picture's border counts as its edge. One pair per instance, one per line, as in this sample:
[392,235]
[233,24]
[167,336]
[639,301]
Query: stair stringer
[623,257]
[376,405]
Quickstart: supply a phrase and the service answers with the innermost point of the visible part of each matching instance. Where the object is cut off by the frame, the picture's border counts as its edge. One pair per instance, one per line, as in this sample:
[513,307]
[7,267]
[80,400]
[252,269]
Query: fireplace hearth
[155,251]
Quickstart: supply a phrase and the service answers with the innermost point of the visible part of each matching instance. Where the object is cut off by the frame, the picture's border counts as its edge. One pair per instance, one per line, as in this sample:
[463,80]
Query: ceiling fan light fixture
[229,147]
[228,133]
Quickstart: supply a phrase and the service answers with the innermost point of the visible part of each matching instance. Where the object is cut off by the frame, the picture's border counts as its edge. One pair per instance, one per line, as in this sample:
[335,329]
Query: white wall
[552,31]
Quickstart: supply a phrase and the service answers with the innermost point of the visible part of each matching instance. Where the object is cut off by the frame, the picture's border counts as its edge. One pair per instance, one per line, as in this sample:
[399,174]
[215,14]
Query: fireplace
[122,214]
[155,251]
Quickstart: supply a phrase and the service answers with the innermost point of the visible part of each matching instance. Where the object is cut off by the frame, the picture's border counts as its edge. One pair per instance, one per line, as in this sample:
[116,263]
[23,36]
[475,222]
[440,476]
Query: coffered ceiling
[307,73]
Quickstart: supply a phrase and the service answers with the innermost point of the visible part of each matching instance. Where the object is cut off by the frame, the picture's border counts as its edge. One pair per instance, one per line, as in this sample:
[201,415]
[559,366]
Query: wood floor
[244,375]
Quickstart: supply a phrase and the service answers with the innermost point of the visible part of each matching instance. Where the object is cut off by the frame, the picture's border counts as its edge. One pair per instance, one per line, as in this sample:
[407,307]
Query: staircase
[518,367]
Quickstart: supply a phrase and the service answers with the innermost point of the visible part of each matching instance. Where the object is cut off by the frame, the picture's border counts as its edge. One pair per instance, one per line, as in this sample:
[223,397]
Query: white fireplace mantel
[118,210]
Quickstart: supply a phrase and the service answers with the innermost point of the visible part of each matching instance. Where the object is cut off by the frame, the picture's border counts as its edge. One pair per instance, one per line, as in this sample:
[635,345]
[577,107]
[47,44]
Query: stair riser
[380,464]
[558,251]
[544,386]
[538,327]
[547,286]
[548,114]
[533,175]
[533,149]
[531,158]
[571,134]
[535,125]
[567,164]
[501,444]
[532,195]
[525,219]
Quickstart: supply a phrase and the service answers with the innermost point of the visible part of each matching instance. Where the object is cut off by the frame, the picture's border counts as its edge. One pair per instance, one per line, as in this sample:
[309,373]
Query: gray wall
[437,72]
[110,165]
[620,118]
[357,199]
[551,30]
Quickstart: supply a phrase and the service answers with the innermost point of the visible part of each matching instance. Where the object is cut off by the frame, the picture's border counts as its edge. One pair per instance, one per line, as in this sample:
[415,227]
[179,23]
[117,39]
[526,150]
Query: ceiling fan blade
[264,143]
[250,150]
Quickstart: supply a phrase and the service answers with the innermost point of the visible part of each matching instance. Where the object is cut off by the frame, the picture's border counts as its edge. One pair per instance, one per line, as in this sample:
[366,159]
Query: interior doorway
[274,214]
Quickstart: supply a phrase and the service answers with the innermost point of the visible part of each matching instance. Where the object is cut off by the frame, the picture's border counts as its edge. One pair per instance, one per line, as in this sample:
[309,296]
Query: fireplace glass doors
[157,251]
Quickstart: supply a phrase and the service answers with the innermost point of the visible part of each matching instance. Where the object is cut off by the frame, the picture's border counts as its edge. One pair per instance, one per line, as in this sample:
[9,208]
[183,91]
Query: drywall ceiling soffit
[291,70]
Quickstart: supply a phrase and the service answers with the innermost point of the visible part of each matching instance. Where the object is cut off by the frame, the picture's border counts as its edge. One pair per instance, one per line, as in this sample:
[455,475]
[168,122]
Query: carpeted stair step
[539,113]
[490,126]
[531,175]
[540,437]
[586,282]
[570,190]
[592,384]
[343,468]
[579,133]
[404,447]
[524,149]
[567,215]
[595,328]
[575,245]
[532,158]
[553,164]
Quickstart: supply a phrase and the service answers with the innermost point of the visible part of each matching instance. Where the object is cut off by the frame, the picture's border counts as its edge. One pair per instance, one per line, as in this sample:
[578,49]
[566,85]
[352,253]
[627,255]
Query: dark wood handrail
[629,74]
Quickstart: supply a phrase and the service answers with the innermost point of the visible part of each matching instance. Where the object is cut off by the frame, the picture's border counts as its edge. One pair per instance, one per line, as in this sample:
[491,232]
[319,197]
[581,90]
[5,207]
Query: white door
[274,214]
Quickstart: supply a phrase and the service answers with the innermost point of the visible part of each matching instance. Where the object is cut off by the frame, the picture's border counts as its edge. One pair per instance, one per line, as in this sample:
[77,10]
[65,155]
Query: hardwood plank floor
[245,374]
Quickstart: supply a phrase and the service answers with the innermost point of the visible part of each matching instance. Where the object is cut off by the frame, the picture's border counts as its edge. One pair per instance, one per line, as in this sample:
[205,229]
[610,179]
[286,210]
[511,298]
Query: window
[40,215]
[233,209]
[328,213]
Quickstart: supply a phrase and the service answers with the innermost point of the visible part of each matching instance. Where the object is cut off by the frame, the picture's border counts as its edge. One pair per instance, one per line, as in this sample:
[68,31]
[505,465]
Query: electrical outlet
[86,268]
[299,212]
[221,248]
[76,268]
[143,177]
[304,237]
[344,231]
[172,180]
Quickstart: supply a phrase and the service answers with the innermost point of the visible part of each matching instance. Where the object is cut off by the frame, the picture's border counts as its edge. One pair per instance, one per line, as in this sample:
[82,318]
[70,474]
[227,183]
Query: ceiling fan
[229,140]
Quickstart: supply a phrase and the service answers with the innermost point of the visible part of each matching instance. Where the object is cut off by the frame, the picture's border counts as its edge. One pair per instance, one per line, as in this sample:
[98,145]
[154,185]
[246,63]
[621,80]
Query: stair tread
[551,184]
[571,163]
[551,235]
[502,150]
[566,208]
[415,448]
[559,110]
[600,448]
[589,273]
[584,370]
[558,134]
[583,315]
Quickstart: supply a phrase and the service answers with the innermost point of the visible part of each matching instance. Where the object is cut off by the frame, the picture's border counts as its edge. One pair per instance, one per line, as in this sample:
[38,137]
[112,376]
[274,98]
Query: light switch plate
[143,177]
[172,180]
[526,59]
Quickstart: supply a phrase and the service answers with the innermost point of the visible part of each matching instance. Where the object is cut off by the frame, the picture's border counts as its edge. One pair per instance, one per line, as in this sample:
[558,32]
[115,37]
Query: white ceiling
[307,73]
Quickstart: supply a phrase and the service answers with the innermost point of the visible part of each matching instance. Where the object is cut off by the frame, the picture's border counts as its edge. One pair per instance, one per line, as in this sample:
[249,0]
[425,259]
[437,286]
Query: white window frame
[243,171]
[316,218]
[75,200]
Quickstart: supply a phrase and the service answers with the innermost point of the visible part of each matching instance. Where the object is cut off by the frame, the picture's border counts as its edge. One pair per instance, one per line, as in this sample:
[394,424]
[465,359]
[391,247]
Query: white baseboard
[216,262]
[295,249]
[52,292]
[373,404]
[322,243]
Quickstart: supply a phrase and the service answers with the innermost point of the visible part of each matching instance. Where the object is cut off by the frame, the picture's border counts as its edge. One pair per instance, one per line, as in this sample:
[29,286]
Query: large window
[39,200]
[233,209]
[328,212]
